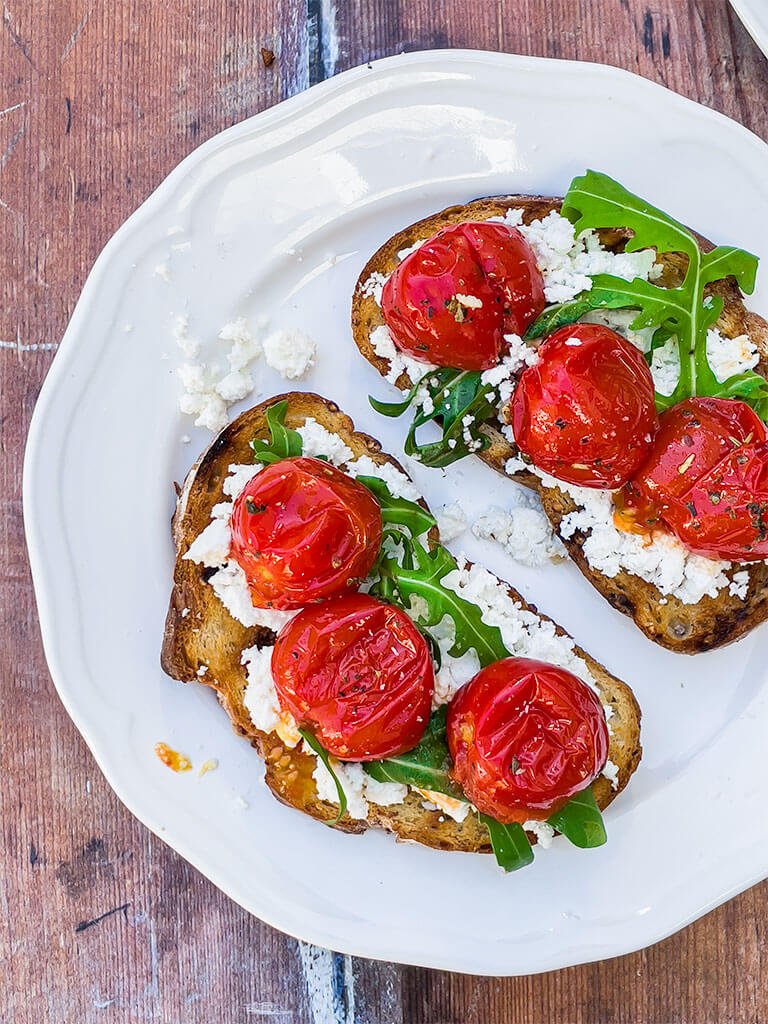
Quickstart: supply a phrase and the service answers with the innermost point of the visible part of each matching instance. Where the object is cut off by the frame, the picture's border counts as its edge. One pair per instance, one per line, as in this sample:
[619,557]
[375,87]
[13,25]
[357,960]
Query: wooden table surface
[100,921]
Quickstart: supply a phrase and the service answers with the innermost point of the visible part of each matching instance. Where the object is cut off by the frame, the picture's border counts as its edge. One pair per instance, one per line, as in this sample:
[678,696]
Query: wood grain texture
[99,99]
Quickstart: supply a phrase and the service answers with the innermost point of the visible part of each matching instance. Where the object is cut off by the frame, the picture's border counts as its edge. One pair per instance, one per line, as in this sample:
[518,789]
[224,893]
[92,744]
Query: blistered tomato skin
[585,412]
[725,513]
[303,531]
[357,673]
[525,737]
[452,300]
[693,437]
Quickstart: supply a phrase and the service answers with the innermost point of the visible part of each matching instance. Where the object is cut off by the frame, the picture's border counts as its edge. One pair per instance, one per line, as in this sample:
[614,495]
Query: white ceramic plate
[281,212]
[754,15]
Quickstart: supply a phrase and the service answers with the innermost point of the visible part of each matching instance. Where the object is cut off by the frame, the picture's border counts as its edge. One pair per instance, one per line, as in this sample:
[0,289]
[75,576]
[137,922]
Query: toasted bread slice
[206,634]
[684,628]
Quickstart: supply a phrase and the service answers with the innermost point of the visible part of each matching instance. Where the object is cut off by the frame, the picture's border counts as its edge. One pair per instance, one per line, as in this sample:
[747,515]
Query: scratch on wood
[10,110]
[18,42]
[153,989]
[34,856]
[99,1002]
[16,346]
[76,35]
[12,146]
[268,1010]
[84,925]
[68,107]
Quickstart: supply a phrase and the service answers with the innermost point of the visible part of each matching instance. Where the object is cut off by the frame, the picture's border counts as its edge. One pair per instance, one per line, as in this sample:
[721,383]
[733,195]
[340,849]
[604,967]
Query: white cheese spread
[399,363]
[661,560]
[359,788]
[523,633]
[726,357]
[567,263]
[544,833]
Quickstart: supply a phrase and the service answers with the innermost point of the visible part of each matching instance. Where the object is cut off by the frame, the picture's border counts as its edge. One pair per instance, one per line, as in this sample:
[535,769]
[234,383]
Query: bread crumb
[207,766]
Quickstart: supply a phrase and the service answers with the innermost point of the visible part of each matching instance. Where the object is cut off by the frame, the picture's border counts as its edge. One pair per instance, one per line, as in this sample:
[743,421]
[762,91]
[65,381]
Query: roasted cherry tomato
[357,673]
[693,437]
[585,411]
[524,737]
[303,531]
[724,514]
[452,300]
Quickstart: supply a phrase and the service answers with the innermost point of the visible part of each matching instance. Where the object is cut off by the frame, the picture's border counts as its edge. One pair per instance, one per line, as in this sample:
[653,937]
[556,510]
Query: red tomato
[452,300]
[524,737]
[724,514]
[693,437]
[359,674]
[585,412]
[303,531]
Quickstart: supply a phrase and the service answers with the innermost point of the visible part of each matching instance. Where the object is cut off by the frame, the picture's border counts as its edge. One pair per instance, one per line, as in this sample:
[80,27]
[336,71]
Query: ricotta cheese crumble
[726,357]
[523,633]
[291,353]
[661,560]
[523,530]
[568,262]
[210,388]
[399,363]
[451,522]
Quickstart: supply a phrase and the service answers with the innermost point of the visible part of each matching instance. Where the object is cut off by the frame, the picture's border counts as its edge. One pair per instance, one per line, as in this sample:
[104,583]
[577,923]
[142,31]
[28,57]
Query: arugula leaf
[510,844]
[566,313]
[284,443]
[455,395]
[424,580]
[324,756]
[751,388]
[394,409]
[580,820]
[427,766]
[596,201]
[399,511]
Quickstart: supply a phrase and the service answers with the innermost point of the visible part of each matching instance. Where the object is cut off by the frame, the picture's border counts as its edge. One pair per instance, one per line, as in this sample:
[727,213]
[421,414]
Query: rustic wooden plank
[99,101]
[715,970]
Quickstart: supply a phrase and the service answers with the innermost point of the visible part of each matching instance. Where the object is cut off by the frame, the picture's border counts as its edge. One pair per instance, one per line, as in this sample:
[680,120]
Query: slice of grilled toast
[206,634]
[684,628]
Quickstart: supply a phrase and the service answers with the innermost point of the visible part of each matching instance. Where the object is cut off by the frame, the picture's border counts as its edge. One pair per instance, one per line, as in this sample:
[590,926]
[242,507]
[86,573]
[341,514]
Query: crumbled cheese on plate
[523,530]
